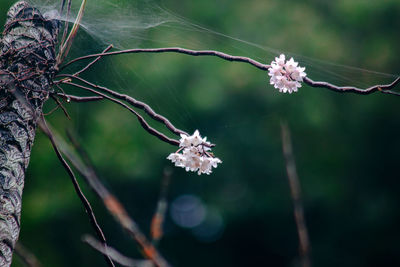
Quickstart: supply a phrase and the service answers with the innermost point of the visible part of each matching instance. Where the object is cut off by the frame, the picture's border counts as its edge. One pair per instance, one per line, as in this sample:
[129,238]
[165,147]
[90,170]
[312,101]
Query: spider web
[149,23]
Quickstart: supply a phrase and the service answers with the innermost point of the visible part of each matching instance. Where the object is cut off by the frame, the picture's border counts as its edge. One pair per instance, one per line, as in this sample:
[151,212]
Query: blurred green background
[346,146]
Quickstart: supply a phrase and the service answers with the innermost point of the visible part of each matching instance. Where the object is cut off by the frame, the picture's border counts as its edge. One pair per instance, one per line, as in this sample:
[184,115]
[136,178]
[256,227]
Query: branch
[79,99]
[224,56]
[93,62]
[142,121]
[114,254]
[295,191]
[158,219]
[66,23]
[85,202]
[115,208]
[132,101]
[65,46]
[59,104]
[390,92]
[26,256]
[259,65]
[384,88]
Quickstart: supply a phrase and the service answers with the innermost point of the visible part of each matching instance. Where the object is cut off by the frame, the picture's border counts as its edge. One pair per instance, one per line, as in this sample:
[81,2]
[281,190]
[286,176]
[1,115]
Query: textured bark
[27,67]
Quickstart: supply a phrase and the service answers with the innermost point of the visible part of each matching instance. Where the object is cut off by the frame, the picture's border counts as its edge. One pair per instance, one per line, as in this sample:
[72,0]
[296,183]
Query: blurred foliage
[346,145]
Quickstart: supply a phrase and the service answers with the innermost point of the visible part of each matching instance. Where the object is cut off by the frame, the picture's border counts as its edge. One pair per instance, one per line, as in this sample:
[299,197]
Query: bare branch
[156,227]
[26,256]
[51,111]
[295,191]
[79,98]
[66,23]
[62,6]
[65,46]
[350,89]
[133,102]
[93,62]
[259,65]
[85,202]
[59,104]
[115,208]
[115,255]
[390,92]
[142,121]
[176,50]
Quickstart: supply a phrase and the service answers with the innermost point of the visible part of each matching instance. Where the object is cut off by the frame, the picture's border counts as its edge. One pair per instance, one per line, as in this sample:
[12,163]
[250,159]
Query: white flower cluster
[286,75]
[195,154]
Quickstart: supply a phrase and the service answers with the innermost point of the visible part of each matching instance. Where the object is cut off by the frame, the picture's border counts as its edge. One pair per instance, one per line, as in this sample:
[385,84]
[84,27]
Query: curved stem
[131,101]
[180,50]
[78,99]
[82,197]
[384,88]
[67,44]
[93,62]
[141,120]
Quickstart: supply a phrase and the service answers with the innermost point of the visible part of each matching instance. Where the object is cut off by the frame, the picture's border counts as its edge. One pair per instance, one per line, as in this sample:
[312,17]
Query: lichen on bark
[27,68]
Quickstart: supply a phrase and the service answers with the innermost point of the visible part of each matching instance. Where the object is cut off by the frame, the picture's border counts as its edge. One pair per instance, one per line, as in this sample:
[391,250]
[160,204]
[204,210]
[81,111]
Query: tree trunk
[27,67]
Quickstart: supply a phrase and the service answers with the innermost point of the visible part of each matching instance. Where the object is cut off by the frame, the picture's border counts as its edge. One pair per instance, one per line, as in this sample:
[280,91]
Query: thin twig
[51,111]
[66,24]
[26,256]
[133,102]
[62,6]
[85,202]
[259,65]
[304,242]
[156,227]
[67,44]
[115,255]
[116,209]
[350,89]
[391,92]
[78,99]
[93,62]
[176,50]
[59,104]
[141,120]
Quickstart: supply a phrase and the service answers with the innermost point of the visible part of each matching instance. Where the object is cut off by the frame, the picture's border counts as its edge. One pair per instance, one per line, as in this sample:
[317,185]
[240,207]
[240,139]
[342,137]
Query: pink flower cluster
[286,75]
[194,155]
